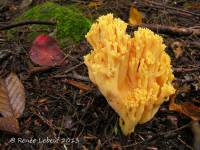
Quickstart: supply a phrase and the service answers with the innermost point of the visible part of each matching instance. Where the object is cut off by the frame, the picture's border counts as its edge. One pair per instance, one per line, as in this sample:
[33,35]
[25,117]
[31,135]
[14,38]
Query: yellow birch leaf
[177,48]
[95,4]
[135,17]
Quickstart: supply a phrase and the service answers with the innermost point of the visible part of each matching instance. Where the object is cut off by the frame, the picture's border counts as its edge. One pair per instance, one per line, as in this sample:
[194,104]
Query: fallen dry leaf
[116,146]
[46,52]
[135,16]
[177,48]
[9,124]
[12,96]
[95,4]
[12,102]
[186,108]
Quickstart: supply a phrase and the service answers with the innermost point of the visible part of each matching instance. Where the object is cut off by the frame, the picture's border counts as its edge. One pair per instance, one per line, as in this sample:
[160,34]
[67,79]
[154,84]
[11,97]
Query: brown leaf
[9,124]
[116,146]
[95,4]
[177,48]
[12,96]
[186,108]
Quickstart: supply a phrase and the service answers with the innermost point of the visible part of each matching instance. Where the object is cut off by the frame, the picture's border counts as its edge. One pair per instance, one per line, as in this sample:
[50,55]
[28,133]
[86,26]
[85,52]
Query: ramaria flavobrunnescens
[134,74]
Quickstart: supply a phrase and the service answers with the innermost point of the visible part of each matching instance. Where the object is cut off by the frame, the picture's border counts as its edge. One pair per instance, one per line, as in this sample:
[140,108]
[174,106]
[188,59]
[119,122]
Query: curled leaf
[95,4]
[177,48]
[135,16]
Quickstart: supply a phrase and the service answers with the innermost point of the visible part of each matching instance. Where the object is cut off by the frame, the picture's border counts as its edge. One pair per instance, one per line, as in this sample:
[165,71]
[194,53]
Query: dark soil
[55,109]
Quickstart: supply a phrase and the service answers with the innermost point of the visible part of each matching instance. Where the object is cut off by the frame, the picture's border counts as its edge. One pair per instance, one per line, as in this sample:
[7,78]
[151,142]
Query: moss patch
[71,24]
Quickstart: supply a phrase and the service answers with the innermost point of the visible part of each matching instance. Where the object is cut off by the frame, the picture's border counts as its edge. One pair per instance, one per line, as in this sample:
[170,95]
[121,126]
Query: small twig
[74,76]
[79,77]
[154,27]
[193,44]
[47,122]
[29,22]
[4,54]
[196,132]
[2,40]
[186,145]
[157,135]
[184,80]
[67,71]
[74,67]
[172,8]
[39,69]
[186,69]
[168,29]
[80,85]
[175,130]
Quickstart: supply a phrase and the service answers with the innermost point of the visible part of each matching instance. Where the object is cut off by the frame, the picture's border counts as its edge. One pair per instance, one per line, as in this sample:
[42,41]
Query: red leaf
[46,52]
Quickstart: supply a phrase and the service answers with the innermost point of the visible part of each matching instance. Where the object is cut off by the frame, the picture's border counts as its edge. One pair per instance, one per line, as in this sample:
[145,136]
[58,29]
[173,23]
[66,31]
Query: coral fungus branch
[134,74]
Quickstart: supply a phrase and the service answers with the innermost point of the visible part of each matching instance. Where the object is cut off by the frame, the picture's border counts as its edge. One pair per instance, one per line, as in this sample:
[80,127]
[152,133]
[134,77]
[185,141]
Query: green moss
[71,24]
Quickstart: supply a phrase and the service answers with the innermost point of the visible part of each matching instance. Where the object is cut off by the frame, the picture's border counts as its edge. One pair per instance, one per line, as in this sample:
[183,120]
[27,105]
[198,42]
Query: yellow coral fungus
[134,74]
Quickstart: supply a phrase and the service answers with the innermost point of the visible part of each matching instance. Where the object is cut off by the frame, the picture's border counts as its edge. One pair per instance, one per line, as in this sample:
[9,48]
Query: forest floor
[55,108]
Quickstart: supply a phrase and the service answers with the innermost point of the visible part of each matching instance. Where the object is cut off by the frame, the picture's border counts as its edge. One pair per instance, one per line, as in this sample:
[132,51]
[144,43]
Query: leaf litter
[12,102]
[94,118]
